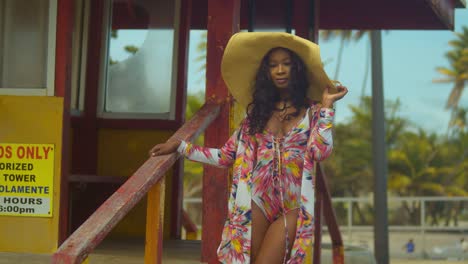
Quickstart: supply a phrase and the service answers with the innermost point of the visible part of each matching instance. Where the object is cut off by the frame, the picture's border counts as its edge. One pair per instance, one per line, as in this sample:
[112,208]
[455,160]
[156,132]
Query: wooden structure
[101,139]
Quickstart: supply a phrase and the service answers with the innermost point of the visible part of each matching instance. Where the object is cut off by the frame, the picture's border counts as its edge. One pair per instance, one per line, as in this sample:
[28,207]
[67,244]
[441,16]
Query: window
[27,47]
[140,63]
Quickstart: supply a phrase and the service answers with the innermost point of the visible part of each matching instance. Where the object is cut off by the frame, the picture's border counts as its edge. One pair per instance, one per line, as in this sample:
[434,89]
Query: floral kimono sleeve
[223,157]
[320,143]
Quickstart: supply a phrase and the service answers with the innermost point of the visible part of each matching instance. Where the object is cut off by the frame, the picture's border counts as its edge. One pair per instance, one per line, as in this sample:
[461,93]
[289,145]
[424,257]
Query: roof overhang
[346,14]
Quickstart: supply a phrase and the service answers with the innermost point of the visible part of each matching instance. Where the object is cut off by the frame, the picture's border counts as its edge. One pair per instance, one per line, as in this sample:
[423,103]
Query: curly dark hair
[266,95]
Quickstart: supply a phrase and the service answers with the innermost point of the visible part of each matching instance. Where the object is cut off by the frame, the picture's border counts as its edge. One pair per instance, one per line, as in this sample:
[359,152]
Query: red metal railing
[189,226]
[324,207]
[149,179]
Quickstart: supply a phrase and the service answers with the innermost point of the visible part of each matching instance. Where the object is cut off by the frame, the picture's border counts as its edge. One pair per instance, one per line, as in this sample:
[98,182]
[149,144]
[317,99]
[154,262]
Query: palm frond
[446,71]
[447,80]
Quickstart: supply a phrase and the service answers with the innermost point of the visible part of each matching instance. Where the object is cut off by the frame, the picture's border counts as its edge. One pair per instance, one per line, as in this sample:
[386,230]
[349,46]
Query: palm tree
[457,72]
[345,36]
[460,120]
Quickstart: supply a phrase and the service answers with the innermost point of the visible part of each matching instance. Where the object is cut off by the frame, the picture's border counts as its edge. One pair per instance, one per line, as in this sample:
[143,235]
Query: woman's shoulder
[244,124]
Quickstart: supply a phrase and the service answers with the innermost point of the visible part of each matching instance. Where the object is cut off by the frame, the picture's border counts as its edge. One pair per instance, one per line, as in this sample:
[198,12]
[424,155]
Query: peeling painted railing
[191,229]
[148,179]
[323,207]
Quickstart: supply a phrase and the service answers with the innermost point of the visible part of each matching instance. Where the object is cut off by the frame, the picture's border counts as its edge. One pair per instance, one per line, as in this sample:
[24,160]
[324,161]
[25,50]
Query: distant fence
[436,224]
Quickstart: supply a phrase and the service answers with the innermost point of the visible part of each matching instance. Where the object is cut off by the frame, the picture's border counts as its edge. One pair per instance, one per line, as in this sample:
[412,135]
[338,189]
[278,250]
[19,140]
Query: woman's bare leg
[272,249]
[259,227]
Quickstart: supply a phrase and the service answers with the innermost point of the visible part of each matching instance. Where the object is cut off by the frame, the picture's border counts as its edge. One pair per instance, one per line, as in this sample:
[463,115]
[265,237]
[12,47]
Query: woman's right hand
[165,148]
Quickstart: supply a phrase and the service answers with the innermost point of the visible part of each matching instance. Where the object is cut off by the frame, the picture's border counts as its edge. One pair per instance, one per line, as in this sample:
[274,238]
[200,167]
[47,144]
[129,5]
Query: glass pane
[23,43]
[140,61]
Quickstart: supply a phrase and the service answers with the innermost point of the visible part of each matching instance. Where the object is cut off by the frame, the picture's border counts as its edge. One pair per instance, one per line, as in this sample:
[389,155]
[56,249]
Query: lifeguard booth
[76,124]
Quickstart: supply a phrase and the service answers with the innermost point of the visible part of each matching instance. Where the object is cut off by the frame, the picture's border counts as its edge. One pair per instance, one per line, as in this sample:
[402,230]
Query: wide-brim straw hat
[245,51]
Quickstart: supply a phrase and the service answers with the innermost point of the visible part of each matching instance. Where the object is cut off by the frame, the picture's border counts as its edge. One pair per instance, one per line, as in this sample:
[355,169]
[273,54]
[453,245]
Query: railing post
[423,226]
[330,217]
[318,225]
[223,21]
[154,223]
[350,220]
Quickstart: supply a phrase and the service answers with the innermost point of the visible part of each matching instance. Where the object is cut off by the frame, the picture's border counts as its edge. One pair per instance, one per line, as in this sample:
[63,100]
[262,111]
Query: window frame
[80,56]
[103,73]
[49,90]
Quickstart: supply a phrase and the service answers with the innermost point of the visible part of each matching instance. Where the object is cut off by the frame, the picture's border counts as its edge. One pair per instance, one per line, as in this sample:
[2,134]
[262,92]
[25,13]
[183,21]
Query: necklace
[282,113]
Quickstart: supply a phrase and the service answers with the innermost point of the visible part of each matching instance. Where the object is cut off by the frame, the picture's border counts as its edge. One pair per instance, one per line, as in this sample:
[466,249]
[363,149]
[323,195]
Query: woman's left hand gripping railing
[149,178]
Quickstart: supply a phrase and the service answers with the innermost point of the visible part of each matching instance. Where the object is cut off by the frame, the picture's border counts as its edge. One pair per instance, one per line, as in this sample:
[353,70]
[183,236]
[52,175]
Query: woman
[276,77]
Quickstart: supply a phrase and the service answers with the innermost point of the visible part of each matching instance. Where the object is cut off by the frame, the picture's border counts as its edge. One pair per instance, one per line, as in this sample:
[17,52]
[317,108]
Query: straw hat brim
[245,51]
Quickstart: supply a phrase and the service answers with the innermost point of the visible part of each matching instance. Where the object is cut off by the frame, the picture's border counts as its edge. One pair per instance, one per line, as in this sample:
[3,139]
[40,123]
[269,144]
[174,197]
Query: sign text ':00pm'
[16,209]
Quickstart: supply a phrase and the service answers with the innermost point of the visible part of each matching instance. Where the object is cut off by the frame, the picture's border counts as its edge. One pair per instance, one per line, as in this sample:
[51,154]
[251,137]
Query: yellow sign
[26,179]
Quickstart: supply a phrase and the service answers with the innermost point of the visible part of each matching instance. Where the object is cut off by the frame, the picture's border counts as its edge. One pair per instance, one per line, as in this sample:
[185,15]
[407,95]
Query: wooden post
[63,62]
[223,21]
[330,217]
[318,226]
[154,224]
[305,19]
[306,24]
[182,67]
[85,139]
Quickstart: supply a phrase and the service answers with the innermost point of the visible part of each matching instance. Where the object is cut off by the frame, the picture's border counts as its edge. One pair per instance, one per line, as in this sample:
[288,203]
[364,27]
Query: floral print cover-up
[241,151]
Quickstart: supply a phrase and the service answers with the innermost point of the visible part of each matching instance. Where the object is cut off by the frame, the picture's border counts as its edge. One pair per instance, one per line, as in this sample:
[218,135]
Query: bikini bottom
[272,211]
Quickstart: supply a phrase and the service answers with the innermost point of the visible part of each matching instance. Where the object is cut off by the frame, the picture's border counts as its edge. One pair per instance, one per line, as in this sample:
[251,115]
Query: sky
[409,61]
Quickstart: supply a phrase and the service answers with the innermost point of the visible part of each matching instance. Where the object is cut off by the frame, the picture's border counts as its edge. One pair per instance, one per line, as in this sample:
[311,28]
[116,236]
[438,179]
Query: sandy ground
[132,252]
[402,261]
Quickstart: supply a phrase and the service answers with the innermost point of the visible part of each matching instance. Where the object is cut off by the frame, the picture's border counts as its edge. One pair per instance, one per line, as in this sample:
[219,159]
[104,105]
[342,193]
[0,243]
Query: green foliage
[350,166]
[419,164]
[456,74]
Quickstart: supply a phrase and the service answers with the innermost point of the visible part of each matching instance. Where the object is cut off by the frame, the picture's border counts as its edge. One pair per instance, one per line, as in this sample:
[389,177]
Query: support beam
[223,21]
[356,14]
[251,15]
[288,15]
[182,68]
[379,153]
[85,139]
[63,62]
[155,223]
[306,19]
